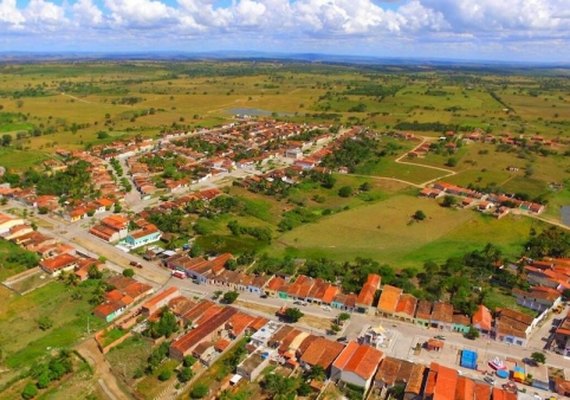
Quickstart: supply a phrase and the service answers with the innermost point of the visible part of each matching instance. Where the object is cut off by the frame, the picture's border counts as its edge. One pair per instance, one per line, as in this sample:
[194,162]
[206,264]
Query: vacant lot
[385,231]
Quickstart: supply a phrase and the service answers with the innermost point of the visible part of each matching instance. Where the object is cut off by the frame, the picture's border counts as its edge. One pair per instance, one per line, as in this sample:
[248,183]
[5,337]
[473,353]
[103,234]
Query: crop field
[385,232]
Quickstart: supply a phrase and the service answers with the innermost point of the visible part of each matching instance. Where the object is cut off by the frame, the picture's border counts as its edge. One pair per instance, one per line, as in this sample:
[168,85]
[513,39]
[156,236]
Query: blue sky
[525,30]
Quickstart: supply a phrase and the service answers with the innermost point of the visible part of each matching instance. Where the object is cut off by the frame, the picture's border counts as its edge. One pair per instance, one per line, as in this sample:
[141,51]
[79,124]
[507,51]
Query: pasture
[386,232]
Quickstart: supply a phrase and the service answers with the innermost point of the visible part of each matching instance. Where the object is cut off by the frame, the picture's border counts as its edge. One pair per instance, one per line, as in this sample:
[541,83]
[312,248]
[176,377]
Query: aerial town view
[284,199]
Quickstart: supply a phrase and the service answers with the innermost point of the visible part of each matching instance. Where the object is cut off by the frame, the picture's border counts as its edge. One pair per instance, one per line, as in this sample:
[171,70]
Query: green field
[383,231]
[23,341]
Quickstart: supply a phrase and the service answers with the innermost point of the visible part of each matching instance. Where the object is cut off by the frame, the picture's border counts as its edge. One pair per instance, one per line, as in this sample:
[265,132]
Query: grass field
[23,341]
[383,231]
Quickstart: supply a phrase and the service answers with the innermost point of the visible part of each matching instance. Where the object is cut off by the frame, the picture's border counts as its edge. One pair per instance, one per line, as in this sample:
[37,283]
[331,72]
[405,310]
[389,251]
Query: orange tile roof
[330,292]
[416,379]
[58,262]
[276,283]
[239,322]
[482,318]
[442,312]
[388,371]
[258,323]
[389,299]
[361,360]
[482,391]
[465,389]
[407,305]
[322,352]
[445,383]
[162,296]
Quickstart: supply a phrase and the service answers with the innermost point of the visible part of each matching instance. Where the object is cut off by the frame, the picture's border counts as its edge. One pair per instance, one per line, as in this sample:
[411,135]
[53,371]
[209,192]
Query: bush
[230,297]
[45,323]
[451,162]
[165,375]
[199,391]
[185,374]
[345,191]
[419,215]
[449,201]
[30,391]
[129,273]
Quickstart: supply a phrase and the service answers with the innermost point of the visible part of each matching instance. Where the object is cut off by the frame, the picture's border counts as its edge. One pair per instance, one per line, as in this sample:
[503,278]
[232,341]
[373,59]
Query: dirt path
[102,370]
[539,218]
[77,98]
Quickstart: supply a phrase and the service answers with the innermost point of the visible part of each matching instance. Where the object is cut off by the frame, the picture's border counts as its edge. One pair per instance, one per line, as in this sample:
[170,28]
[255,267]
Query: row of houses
[55,257]
[215,327]
[506,325]
[499,204]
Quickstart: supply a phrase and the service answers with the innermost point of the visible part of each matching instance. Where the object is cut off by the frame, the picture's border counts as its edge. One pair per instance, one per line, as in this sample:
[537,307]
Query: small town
[197,309]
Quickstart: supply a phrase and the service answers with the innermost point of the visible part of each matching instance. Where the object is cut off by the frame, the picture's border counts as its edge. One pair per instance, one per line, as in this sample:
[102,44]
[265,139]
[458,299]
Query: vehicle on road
[342,339]
[178,274]
[490,380]
[263,296]
[133,263]
[440,337]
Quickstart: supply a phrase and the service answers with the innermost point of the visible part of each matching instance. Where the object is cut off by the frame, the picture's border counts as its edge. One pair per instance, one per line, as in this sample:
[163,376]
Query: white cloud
[40,13]
[486,24]
[140,13]
[85,13]
[10,15]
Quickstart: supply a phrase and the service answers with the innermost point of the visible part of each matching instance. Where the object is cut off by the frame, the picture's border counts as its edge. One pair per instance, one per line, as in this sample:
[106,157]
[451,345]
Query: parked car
[490,380]
[263,296]
[440,337]
[133,263]
[342,339]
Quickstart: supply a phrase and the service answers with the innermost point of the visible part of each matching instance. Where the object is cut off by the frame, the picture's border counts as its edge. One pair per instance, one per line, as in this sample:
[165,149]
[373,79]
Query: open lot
[384,231]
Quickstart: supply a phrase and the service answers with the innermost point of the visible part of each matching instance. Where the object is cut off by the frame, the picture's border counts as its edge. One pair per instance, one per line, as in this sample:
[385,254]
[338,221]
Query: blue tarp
[469,359]
[502,373]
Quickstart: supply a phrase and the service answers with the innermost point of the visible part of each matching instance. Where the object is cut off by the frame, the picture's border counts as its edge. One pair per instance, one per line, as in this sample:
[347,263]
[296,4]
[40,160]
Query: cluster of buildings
[498,205]
[125,292]
[505,325]
[211,329]
[130,234]
[55,257]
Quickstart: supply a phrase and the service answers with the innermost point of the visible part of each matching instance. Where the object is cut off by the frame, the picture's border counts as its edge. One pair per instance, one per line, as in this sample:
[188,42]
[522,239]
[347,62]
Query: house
[274,286]
[141,237]
[445,384]
[7,222]
[442,316]
[482,320]
[539,298]
[111,228]
[562,336]
[262,336]
[356,365]
[460,323]
[205,352]
[423,313]
[252,366]
[206,331]
[366,295]
[406,307]
[415,382]
[389,300]
[258,284]
[320,352]
[393,371]
[77,213]
[345,302]
[512,326]
[108,311]
[159,300]
[56,265]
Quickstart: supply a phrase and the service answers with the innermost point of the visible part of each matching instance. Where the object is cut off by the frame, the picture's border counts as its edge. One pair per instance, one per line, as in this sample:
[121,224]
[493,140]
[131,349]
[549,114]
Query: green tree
[365,187]
[230,297]
[472,333]
[196,250]
[185,374]
[128,272]
[165,375]
[30,391]
[449,201]
[419,215]
[538,357]
[188,361]
[451,162]
[345,191]
[199,391]
[293,314]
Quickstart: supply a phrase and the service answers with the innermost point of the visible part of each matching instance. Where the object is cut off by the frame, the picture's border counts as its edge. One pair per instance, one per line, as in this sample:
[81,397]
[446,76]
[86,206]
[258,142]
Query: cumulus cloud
[411,21]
